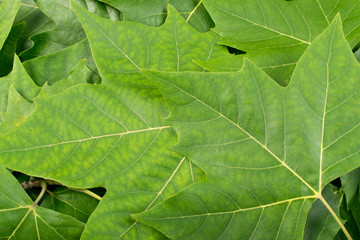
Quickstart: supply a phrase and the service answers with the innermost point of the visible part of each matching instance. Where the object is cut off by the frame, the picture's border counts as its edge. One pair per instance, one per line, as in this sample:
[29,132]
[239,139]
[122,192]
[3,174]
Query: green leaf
[153,13]
[195,13]
[34,19]
[320,224]
[9,49]
[267,151]
[17,91]
[100,135]
[350,224]
[125,137]
[22,83]
[8,10]
[150,12]
[53,67]
[102,10]
[70,202]
[350,184]
[276,33]
[357,54]
[20,219]
[67,31]
[18,109]
[80,74]
[121,49]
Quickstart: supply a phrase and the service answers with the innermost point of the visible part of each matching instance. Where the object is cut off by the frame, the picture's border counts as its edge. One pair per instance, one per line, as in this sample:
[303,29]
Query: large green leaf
[128,150]
[276,33]
[94,143]
[267,151]
[8,10]
[20,218]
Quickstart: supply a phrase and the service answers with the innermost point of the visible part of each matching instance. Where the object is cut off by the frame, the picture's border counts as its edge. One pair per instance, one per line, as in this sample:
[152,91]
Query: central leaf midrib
[239,210]
[88,139]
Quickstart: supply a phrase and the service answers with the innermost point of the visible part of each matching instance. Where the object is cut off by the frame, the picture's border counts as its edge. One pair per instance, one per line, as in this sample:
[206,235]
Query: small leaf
[320,224]
[20,219]
[56,66]
[70,202]
[350,183]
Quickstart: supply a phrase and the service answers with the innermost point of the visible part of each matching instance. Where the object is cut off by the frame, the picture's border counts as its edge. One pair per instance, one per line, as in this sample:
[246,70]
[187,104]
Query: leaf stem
[88,192]
[326,204]
[43,189]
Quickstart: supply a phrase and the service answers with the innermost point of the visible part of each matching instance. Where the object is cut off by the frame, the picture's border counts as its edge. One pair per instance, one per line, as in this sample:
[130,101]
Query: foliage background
[84,119]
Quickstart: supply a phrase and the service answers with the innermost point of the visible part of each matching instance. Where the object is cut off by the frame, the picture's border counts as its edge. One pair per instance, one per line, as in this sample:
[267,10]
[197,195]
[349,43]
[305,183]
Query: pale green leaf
[267,151]
[20,219]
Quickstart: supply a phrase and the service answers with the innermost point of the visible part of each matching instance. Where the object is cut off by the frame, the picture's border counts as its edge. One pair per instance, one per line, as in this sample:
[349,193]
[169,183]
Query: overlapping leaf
[67,30]
[276,33]
[70,202]
[9,49]
[16,93]
[113,135]
[267,151]
[153,12]
[35,22]
[21,219]
[8,10]
[53,67]
[320,223]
